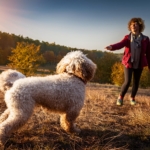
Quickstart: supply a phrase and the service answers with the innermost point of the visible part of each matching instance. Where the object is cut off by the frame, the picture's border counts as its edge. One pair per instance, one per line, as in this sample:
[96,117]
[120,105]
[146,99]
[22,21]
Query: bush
[145,78]
[117,75]
[26,58]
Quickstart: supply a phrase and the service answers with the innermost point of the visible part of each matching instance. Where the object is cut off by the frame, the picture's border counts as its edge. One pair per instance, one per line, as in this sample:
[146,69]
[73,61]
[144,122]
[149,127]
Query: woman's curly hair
[140,22]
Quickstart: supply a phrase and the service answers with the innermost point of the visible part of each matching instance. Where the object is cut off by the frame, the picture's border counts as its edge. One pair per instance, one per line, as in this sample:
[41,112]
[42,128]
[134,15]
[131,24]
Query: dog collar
[78,78]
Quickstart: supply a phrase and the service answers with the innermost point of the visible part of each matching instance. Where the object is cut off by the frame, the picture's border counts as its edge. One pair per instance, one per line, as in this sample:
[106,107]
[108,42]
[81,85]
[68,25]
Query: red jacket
[145,51]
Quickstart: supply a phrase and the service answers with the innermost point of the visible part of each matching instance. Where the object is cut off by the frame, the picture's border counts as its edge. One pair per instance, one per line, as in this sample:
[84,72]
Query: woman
[136,56]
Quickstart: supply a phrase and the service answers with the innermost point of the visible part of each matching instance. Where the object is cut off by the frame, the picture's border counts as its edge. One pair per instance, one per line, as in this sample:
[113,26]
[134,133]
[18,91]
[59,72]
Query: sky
[81,24]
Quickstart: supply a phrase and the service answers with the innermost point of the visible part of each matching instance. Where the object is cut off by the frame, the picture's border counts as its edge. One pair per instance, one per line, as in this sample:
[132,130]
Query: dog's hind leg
[16,119]
[4,115]
[67,121]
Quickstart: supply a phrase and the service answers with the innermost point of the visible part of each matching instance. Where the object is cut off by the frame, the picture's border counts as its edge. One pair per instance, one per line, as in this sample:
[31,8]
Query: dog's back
[56,92]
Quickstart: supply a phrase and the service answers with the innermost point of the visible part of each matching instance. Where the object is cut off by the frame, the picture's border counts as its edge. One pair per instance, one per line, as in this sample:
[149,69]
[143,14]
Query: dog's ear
[4,86]
[85,70]
[63,64]
[61,67]
[7,86]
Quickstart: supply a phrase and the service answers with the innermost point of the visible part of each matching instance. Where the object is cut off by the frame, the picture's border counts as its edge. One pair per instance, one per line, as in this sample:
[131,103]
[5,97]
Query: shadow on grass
[56,138]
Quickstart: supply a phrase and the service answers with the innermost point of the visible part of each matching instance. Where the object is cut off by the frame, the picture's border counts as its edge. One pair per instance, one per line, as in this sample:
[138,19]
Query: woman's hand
[108,47]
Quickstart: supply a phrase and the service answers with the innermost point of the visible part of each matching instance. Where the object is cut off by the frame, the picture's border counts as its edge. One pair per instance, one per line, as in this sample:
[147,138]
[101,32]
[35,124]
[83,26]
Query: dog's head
[78,64]
[8,77]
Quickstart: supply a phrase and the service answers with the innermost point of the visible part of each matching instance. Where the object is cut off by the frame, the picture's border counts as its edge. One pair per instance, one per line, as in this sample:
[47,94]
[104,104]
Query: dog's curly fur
[8,77]
[62,93]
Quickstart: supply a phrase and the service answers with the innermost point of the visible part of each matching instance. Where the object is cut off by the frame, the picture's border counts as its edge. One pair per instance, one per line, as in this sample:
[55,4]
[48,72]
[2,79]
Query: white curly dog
[62,93]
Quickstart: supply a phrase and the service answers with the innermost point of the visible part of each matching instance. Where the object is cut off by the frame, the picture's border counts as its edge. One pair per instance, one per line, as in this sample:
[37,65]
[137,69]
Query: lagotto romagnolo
[62,93]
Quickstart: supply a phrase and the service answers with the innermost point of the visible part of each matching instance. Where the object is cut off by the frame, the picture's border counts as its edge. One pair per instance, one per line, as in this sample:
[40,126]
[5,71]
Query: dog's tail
[8,77]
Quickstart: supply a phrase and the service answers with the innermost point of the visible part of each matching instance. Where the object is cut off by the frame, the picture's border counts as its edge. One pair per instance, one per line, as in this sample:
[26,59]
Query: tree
[49,56]
[145,78]
[117,75]
[104,65]
[3,59]
[26,58]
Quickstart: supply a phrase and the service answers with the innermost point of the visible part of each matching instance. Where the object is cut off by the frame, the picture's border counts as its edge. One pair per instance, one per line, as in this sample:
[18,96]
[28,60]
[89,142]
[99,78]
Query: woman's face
[134,27]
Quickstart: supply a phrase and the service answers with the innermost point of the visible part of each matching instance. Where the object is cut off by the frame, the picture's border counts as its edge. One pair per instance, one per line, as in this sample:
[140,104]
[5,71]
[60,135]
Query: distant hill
[9,41]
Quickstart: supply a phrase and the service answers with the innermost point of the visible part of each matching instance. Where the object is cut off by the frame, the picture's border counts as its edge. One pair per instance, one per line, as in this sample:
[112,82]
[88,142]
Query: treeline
[28,55]
[52,52]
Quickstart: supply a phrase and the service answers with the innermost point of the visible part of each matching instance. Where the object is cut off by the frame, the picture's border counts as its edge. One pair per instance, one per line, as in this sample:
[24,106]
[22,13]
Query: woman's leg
[136,79]
[126,84]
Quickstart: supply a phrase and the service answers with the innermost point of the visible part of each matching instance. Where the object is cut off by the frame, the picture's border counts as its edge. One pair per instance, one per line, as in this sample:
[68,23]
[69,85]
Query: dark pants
[128,72]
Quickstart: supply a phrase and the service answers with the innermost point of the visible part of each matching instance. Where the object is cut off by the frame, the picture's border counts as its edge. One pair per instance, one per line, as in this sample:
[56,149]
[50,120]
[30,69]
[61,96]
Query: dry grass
[104,125]
[2,68]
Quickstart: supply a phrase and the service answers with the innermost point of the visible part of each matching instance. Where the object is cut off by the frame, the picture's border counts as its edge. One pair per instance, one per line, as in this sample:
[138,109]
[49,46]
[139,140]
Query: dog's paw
[77,130]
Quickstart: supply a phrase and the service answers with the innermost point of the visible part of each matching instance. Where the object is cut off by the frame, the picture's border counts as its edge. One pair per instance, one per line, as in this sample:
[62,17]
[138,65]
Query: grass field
[2,68]
[104,125]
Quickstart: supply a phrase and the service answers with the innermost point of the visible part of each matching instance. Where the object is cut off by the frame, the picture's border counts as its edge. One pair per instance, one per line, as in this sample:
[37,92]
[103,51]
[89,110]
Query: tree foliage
[3,56]
[117,74]
[26,58]
[56,51]
[145,78]
[105,63]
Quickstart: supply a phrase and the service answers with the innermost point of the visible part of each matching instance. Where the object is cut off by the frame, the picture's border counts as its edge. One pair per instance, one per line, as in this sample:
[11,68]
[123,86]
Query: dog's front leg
[67,122]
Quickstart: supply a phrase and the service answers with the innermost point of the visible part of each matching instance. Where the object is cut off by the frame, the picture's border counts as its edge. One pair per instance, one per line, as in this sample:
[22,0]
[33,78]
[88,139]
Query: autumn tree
[145,78]
[26,58]
[3,59]
[104,65]
[49,56]
[117,75]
